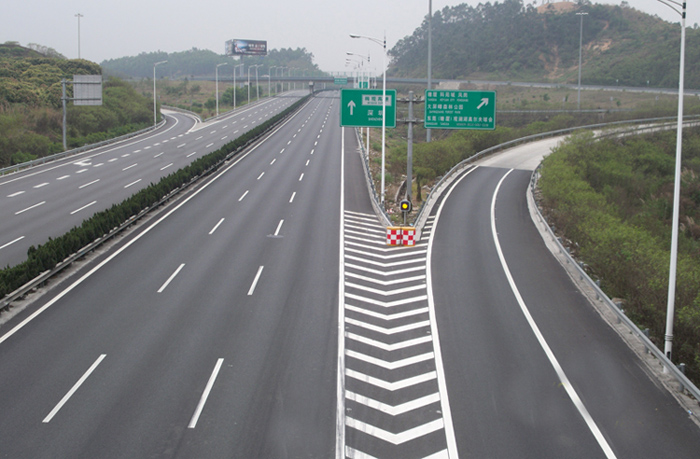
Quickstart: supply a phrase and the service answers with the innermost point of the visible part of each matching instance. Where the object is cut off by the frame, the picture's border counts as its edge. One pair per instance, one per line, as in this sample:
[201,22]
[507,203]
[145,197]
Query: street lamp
[154,90]
[361,64]
[580,47]
[289,73]
[78,16]
[257,86]
[269,72]
[382,43]
[428,132]
[234,84]
[670,310]
[217,86]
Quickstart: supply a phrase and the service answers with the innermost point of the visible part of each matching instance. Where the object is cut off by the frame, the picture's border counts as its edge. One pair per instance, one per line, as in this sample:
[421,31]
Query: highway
[262,315]
[49,200]
[209,333]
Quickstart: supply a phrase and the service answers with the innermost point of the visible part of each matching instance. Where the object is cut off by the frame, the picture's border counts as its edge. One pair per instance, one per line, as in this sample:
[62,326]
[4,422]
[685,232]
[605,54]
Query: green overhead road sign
[340,81]
[446,109]
[363,108]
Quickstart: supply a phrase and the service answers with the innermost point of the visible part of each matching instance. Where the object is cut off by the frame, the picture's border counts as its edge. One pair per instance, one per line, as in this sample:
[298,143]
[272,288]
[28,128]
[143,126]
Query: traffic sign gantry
[363,108]
[460,109]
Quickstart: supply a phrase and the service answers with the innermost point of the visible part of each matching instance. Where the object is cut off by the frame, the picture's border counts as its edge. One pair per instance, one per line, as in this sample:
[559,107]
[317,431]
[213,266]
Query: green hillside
[30,105]
[514,41]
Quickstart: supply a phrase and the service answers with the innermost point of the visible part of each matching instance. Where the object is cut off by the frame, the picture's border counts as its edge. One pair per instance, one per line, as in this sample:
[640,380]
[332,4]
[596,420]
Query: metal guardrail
[374,199]
[685,383]
[450,176]
[75,151]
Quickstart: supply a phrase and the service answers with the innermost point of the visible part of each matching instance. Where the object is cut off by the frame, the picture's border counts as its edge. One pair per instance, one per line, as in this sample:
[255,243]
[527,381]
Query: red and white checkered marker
[393,236]
[408,236]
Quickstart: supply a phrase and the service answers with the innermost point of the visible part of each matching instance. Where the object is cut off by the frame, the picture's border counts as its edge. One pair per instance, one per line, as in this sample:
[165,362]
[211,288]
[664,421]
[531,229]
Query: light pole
[257,86]
[249,84]
[428,134]
[580,47]
[154,90]
[290,74]
[269,76]
[234,84]
[362,64]
[670,309]
[382,43]
[78,16]
[217,86]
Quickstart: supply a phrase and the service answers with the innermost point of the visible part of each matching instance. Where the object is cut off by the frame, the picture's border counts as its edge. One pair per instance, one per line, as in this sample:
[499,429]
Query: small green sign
[445,109]
[363,108]
[340,81]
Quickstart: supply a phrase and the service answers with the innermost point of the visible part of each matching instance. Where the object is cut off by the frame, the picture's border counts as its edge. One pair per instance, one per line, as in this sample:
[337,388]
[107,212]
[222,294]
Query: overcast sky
[113,29]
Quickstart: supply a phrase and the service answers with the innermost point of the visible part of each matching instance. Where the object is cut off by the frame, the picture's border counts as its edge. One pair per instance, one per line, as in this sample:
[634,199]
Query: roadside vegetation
[611,201]
[31,110]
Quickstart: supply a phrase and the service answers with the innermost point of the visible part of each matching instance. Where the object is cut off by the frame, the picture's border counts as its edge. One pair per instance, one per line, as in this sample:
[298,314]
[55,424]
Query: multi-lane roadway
[262,315]
[47,201]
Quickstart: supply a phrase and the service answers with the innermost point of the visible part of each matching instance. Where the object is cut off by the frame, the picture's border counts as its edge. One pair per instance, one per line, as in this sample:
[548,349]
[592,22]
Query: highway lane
[50,199]
[591,397]
[212,335]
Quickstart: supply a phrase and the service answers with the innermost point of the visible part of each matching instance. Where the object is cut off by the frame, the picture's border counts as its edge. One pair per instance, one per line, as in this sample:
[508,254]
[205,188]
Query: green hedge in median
[48,255]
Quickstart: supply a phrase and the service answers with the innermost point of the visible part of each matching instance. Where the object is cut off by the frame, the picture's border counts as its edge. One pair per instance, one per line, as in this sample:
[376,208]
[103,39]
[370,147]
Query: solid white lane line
[216,226]
[88,184]
[129,167]
[15,194]
[132,183]
[260,176]
[165,167]
[83,208]
[279,227]
[172,276]
[244,195]
[73,389]
[11,242]
[205,394]
[340,421]
[292,198]
[255,281]
[578,403]
[30,207]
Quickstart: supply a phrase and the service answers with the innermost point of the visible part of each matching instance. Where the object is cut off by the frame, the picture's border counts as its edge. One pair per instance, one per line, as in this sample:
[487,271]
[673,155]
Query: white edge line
[255,281]
[578,403]
[73,389]
[439,367]
[82,279]
[340,387]
[205,394]
[172,276]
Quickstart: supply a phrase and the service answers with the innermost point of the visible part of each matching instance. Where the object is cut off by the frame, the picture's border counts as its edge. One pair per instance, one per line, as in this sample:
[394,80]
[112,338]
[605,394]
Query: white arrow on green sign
[363,108]
[445,109]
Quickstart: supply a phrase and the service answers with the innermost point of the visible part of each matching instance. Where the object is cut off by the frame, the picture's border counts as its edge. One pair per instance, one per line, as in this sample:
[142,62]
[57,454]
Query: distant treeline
[202,63]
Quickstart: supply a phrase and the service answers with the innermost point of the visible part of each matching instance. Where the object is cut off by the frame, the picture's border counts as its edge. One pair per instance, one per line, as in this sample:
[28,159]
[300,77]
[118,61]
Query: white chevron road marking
[390,365]
[393,410]
[392,386]
[399,438]
[388,347]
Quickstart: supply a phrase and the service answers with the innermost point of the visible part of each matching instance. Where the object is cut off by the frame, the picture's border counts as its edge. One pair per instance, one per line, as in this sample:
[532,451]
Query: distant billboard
[246,48]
